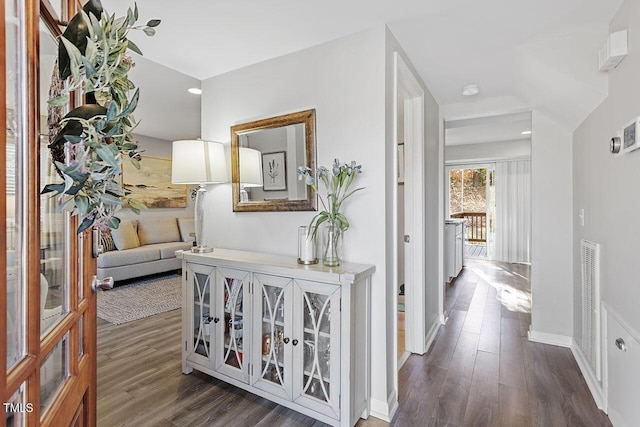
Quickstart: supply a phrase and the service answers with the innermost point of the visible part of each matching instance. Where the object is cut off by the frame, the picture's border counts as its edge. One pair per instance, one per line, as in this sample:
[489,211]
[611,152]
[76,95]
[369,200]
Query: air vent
[590,260]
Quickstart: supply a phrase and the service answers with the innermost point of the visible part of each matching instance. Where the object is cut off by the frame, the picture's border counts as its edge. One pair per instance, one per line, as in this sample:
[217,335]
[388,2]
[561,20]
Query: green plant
[337,183]
[92,57]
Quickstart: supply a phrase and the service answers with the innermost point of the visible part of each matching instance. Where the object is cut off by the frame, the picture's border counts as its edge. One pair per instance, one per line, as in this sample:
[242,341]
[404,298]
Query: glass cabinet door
[232,307]
[317,382]
[273,337]
[200,281]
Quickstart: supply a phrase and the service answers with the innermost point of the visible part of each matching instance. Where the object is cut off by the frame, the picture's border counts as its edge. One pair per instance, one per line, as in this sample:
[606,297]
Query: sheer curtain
[513,211]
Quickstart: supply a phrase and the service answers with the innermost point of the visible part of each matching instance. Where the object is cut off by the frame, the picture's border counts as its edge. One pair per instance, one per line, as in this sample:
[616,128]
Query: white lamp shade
[198,162]
[250,167]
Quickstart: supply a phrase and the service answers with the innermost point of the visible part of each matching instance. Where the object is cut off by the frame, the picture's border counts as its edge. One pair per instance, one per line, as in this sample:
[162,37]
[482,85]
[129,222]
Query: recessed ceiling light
[526,132]
[195,90]
[470,90]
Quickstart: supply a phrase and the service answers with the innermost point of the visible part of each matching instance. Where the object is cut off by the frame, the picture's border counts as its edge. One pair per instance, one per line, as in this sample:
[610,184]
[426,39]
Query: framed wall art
[274,171]
[151,184]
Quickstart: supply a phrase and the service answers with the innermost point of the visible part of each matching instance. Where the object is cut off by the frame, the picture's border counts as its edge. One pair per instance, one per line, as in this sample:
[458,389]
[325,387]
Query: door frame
[74,402]
[407,85]
[487,165]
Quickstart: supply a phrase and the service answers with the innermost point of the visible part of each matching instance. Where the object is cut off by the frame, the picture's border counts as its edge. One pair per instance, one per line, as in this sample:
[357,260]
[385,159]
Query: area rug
[140,299]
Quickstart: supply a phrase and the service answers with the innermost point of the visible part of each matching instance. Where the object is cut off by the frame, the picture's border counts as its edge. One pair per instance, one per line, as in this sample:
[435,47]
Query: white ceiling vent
[613,51]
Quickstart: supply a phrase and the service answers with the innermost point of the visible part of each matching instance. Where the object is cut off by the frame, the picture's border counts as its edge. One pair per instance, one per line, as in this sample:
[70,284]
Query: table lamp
[250,171]
[198,162]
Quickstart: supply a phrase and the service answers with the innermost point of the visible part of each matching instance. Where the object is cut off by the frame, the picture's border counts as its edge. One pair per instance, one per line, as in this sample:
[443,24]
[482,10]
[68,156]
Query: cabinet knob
[286,340]
[294,342]
[216,320]
[622,346]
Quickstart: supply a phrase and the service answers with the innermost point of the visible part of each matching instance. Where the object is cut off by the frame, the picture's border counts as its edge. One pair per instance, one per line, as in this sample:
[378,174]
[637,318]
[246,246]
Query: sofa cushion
[153,230]
[187,229]
[128,257]
[168,250]
[125,236]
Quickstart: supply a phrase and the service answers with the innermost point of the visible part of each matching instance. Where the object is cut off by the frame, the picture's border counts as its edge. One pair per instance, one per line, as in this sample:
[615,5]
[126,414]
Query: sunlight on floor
[512,298]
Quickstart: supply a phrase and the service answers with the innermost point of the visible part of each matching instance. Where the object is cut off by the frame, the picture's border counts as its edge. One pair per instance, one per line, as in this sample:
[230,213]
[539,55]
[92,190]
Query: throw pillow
[125,236]
[187,229]
[106,241]
[152,230]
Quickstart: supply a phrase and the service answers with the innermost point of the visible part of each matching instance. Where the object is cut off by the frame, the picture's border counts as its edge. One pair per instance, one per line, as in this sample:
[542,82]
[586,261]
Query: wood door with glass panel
[49,331]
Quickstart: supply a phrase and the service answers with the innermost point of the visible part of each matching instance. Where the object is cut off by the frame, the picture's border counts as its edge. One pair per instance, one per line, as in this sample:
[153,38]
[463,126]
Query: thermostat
[614,145]
[631,136]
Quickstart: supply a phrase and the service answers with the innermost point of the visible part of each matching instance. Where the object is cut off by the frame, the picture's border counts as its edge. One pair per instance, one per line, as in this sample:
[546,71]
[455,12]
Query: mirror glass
[265,156]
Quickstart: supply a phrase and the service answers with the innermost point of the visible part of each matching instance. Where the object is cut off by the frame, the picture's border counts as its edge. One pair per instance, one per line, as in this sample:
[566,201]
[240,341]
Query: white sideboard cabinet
[296,335]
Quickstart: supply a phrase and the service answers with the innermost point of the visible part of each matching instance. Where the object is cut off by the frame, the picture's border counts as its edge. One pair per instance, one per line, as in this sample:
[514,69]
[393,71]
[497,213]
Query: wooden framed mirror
[265,155]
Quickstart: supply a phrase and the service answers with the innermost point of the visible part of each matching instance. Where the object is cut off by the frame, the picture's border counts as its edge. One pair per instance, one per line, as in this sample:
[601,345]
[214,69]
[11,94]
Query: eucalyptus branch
[93,58]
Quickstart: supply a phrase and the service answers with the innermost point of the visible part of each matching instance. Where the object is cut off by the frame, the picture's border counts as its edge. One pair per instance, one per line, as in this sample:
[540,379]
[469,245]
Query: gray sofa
[143,246]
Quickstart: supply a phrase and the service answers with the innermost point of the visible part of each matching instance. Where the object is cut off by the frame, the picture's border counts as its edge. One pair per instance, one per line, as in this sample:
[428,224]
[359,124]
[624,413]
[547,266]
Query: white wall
[487,151]
[551,224]
[434,211]
[607,186]
[344,81]
[165,110]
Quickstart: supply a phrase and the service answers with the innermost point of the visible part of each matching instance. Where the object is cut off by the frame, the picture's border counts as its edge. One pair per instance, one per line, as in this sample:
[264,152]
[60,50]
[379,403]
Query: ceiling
[495,128]
[540,54]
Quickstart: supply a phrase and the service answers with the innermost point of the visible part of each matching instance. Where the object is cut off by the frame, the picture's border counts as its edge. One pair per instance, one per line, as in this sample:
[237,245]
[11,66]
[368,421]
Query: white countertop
[455,221]
[286,265]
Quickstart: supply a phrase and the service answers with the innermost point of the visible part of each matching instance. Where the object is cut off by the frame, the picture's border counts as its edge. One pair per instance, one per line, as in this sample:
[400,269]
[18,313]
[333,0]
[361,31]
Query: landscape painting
[151,184]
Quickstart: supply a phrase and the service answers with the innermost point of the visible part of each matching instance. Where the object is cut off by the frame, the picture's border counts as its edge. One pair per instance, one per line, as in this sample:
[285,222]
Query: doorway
[471,196]
[409,253]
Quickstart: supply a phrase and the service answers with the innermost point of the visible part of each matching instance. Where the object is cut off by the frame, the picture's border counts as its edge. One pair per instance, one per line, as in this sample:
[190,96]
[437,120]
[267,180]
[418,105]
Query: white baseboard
[431,336]
[590,377]
[403,359]
[444,318]
[384,410]
[551,339]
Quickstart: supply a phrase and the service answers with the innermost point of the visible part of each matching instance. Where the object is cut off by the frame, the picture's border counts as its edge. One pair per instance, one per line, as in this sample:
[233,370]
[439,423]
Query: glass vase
[306,246]
[332,245]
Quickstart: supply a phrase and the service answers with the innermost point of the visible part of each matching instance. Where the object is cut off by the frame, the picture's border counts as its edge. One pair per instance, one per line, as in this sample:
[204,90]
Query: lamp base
[307,262]
[201,249]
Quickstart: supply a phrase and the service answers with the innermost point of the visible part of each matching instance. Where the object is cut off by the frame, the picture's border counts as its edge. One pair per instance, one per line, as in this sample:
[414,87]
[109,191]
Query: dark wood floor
[481,371]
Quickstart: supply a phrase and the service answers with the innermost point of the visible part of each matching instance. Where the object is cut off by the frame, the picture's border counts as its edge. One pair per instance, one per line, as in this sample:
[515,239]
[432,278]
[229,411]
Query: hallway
[483,371]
